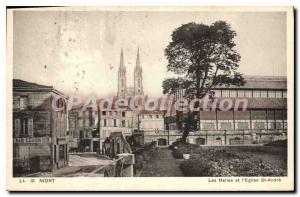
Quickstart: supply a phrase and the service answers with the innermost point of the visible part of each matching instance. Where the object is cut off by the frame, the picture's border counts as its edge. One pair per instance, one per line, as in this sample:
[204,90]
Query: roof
[151,112]
[261,82]
[18,83]
[116,134]
[21,85]
[129,102]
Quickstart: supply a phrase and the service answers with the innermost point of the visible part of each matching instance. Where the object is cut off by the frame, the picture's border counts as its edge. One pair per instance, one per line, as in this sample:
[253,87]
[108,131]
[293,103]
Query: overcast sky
[80,51]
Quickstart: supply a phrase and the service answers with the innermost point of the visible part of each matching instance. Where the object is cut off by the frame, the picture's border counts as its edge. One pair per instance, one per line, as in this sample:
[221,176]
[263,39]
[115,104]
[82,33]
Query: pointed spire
[138,58]
[121,59]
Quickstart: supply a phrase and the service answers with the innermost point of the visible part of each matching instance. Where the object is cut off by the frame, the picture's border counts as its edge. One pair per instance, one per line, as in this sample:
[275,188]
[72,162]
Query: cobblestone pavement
[162,164]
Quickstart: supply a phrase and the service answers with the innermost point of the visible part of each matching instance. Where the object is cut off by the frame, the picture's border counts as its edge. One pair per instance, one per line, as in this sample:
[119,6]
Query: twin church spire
[123,90]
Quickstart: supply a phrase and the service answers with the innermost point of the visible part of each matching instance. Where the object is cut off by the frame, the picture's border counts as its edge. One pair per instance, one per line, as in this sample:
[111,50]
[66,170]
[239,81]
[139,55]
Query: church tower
[122,88]
[138,77]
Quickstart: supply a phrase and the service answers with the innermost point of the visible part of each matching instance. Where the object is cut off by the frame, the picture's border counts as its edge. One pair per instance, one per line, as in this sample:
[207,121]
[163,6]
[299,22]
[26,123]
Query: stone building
[263,121]
[39,131]
[84,130]
[115,144]
[152,124]
[117,121]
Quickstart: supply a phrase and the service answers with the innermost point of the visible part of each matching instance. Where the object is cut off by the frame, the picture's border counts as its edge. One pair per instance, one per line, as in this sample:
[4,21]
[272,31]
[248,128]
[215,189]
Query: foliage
[143,155]
[225,163]
[201,57]
[281,143]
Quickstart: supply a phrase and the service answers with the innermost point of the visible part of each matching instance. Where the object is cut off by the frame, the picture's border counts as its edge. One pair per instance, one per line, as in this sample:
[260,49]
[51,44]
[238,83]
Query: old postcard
[150,99]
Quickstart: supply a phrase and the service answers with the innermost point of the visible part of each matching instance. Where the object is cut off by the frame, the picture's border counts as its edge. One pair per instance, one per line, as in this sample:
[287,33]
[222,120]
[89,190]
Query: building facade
[152,125]
[117,121]
[84,133]
[39,132]
[263,121]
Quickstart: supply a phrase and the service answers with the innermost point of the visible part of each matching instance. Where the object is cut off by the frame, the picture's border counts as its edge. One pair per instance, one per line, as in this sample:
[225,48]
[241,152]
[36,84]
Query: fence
[120,167]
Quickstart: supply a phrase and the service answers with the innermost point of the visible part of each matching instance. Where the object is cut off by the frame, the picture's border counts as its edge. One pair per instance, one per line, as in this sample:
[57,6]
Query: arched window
[161,142]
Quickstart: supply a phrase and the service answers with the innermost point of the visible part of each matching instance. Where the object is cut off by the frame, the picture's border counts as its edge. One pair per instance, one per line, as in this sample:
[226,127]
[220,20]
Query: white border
[105,3]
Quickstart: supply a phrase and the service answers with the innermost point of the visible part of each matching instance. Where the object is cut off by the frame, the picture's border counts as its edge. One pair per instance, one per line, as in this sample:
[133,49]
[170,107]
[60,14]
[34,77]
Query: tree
[201,57]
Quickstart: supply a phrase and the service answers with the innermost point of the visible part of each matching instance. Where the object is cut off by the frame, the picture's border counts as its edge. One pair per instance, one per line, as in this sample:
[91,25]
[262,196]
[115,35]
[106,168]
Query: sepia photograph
[132,98]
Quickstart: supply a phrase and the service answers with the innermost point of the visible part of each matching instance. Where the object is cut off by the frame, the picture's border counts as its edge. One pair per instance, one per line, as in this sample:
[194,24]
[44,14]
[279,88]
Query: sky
[78,52]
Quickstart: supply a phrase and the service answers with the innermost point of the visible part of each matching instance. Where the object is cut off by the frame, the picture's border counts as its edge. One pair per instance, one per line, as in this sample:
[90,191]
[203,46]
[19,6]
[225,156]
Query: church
[123,90]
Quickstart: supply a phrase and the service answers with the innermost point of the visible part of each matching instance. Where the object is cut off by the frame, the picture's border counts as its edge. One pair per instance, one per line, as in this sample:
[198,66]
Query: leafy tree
[201,57]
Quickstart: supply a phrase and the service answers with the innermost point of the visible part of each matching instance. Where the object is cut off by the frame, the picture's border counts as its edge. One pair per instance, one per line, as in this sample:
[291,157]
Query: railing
[126,164]
[121,167]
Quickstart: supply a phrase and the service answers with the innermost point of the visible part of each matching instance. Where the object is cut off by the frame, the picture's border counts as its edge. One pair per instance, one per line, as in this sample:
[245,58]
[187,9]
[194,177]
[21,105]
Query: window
[264,94]
[270,115]
[115,122]
[271,94]
[102,134]
[91,117]
[258,115]
[242,115]
[217,93]
[241,93]
[150,116]
[225,115]
[83,119]
[278,94]
[157,116]
[123,123]
[24,127]
[104,122]
[279,115]
[23,103]
[284,94]
[256,94]
[123,114]
[104,113]
[248,93]
[233,93]
[225,93]
[207,115]
[61,152]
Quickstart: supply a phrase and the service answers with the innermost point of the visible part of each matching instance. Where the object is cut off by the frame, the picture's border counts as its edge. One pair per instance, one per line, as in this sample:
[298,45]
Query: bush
[225,163]
[280,143]
[179,148]
[196,168]
[177,153]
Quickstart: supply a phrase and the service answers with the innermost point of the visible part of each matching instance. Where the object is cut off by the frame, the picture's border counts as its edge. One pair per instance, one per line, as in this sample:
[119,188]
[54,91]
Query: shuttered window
[30,126]
[17,127]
